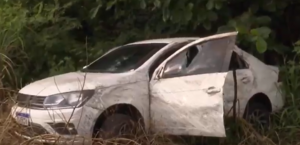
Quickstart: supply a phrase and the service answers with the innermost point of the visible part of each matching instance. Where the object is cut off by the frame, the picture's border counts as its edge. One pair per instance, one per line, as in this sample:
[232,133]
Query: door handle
[212,90]
[245,80]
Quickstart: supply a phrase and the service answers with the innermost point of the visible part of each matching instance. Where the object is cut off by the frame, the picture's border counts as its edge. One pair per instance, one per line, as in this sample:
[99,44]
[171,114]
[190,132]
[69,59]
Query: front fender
[135,94]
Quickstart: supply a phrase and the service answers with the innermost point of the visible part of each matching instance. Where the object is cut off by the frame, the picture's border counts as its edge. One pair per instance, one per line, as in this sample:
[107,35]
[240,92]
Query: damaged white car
[177,86]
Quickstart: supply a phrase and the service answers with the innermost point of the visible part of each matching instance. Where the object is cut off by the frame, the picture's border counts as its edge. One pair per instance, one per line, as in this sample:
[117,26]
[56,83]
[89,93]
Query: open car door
[186,89]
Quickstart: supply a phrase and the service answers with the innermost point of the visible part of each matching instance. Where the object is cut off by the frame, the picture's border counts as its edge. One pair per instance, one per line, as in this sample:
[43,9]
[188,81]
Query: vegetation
[44,38]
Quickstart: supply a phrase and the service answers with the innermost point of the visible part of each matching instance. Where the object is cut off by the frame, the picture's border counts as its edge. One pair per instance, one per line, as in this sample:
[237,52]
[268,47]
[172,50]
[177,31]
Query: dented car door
[186,94]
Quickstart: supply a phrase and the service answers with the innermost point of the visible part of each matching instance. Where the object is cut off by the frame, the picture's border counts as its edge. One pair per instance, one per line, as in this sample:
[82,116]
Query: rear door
[186,90]
[245,84]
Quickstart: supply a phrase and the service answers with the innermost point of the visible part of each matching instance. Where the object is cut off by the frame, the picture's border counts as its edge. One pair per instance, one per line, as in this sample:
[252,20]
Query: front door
[186,93]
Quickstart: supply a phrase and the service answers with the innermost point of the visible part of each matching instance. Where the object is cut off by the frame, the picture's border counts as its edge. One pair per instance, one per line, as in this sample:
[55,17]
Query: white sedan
[176,86]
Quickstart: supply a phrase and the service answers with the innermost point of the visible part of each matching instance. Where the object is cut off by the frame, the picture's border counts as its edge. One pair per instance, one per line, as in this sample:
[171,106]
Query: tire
[116,125]
[258,115]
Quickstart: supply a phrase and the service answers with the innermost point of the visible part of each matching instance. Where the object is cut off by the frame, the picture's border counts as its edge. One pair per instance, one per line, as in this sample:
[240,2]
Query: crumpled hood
[74,81]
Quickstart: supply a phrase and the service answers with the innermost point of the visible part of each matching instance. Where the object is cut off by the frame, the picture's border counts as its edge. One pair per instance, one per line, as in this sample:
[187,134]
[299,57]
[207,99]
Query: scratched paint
[186,105]
[191,111]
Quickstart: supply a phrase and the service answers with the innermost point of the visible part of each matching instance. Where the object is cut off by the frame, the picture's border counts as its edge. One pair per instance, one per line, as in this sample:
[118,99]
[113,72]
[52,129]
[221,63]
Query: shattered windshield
[125,58]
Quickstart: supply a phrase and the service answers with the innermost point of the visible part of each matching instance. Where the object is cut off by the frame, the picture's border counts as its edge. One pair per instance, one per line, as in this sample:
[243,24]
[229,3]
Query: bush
[44,38]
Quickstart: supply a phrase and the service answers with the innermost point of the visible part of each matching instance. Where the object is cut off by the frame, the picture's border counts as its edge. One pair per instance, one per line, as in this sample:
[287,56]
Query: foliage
[12,19]
[43,38]
[61,36]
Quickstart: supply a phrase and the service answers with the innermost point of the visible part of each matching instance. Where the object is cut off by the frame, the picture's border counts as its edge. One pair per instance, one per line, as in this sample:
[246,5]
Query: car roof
[167,40]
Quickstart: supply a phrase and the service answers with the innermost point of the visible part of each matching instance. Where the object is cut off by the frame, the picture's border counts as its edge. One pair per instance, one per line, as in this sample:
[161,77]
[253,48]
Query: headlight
[68,100]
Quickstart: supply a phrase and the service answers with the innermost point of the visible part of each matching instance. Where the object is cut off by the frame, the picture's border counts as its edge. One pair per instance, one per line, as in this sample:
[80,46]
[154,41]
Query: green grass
[285,127]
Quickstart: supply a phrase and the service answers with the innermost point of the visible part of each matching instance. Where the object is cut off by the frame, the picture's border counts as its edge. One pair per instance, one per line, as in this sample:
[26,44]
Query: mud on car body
[181,86]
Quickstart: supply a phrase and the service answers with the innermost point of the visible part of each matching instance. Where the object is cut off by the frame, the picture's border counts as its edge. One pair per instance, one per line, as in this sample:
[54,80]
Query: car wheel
[116,125]
[258,115]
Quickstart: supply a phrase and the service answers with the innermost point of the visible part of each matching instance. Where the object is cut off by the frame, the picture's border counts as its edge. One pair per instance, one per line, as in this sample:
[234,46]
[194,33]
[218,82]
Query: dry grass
[240,133]
[7,137]
[285,128]
[284,131]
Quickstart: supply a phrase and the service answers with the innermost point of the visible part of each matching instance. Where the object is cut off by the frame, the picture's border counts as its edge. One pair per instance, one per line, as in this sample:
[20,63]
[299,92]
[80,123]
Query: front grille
[30,101]
[32,130]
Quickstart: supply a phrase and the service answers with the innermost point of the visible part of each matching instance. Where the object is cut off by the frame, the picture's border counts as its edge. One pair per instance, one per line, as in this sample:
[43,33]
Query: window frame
[231,36]
[198,45]
[156,63]
[240,58]
[185,51]
[143,59]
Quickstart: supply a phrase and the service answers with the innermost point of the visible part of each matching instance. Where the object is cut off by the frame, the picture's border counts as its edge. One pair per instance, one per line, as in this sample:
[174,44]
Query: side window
[178,65]
[164,56]
[207,57]
[237,62]
[190,55]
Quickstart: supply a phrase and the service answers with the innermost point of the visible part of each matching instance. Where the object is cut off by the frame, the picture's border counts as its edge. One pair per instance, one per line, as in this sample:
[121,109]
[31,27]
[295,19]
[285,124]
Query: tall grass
[285,127]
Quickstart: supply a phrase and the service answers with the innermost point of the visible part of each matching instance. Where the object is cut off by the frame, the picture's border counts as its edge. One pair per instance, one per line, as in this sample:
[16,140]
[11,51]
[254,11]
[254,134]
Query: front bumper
[41,125]
[64,140]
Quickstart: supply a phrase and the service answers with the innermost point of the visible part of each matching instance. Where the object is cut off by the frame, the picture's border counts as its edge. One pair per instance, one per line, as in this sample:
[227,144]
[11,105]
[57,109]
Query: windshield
[125,58]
